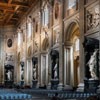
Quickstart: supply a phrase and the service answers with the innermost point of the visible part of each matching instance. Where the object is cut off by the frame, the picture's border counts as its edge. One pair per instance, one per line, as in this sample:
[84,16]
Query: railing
[7,94]
[73,95]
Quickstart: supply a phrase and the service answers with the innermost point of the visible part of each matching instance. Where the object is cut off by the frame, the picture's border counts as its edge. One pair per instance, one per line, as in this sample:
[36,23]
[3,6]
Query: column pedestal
[91,85]
[22,83]
[80,87]
[98,90]
[54,83]
[49,86]
[34,84]
[60,86]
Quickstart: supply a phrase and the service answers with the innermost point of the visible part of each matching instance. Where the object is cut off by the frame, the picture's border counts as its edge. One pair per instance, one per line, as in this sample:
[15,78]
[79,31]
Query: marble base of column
[91,85]
[98,90]
[49,86]
[34,84]
[60,86]
[68,88]
[54,84]
[80,87]
[38,84]
[22,83]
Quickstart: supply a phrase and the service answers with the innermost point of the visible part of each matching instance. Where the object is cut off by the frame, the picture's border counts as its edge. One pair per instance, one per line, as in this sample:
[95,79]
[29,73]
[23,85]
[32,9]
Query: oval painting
[9,43]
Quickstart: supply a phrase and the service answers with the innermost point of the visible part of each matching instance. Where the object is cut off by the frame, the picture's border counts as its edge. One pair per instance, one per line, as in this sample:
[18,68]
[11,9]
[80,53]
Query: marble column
[61,50]
[81,64]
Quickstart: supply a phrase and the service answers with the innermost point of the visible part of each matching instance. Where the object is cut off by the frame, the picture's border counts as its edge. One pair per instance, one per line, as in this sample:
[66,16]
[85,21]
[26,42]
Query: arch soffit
[71,28]
[45,44]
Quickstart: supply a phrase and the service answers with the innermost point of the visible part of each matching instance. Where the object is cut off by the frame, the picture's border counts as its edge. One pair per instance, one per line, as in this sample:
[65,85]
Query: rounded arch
[70,29]
[45,44]
[29,51]
[72,49]
[18,57]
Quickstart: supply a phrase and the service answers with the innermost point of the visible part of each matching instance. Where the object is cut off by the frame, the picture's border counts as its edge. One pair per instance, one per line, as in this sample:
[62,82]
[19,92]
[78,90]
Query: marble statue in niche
[35,67]
[91,48]
[22,74]
[22,70]
[55,64]
[55,69]
[92,64]
[35,46]
[9,75]
[35,71]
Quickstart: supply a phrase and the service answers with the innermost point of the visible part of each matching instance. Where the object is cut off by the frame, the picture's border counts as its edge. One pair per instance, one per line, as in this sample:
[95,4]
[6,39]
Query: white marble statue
[9,75]
[34,71]
[56,70]
[22,74]
[92,64]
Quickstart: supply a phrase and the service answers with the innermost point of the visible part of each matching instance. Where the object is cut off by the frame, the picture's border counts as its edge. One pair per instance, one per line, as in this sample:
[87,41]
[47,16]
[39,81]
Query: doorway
[72,55]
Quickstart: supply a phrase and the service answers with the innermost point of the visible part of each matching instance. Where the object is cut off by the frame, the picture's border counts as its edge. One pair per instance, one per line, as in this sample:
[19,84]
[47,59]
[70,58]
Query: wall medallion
[9,43]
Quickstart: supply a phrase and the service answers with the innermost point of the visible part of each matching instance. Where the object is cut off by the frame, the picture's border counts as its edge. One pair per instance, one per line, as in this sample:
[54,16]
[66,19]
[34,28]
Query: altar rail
[73,95]
[7,94]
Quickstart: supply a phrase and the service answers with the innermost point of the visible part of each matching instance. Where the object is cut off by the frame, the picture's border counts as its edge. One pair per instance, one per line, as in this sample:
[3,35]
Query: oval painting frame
[9,42]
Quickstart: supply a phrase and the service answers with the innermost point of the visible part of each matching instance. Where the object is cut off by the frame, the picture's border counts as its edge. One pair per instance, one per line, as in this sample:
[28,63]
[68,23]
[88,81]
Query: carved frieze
[35,46]
[92,17]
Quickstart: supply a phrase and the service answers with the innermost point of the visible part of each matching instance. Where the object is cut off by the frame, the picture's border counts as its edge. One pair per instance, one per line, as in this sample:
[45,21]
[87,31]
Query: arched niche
[29,51]
[71,31]
[91,47]
[55,61]
[22,70]
[35,67]
[45,44]
[72,54]
[9,75]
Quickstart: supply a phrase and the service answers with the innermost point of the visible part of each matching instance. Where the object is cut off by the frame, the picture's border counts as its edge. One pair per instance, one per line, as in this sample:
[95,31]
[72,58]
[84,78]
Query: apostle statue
[34,71]
[92,64]
[55,69]
[9,75]
[22,74]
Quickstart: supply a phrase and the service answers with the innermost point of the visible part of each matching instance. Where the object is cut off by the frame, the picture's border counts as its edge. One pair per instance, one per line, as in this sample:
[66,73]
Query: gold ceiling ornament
[1,14]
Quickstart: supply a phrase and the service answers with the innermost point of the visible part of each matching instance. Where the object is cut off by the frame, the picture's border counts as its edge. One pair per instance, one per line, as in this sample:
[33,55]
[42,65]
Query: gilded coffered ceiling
[12,10]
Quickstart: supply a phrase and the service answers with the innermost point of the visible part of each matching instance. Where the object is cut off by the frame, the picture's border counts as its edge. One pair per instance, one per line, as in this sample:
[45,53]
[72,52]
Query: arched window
[19,38]
[71,3]
[29,29]
[77,44]
[45,16]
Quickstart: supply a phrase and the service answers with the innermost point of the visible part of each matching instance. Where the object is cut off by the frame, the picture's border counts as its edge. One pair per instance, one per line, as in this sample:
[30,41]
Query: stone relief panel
[55,37]
[9,59]
[56,11]
[36,46]
[45,37]
[92,17]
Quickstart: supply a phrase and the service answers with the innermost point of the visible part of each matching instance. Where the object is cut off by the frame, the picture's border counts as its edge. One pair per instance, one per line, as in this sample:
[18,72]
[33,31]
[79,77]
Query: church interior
[50,46]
